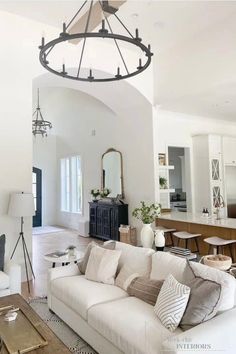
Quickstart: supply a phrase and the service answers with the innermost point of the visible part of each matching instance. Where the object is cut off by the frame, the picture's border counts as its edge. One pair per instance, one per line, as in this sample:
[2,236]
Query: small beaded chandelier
[39,125]
[105,32]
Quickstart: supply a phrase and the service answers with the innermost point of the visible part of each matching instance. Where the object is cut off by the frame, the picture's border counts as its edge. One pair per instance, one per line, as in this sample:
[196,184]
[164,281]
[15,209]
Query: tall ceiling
[194,44]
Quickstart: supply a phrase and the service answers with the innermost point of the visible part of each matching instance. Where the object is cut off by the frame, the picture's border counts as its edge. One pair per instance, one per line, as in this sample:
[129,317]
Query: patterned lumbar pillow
[171,302]
[145,289]
[102,265]
[83,263]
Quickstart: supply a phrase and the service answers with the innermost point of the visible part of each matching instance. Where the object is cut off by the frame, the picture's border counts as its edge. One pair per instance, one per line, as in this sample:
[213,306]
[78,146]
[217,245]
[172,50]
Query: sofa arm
[216,335]
[13,270]
[60,272]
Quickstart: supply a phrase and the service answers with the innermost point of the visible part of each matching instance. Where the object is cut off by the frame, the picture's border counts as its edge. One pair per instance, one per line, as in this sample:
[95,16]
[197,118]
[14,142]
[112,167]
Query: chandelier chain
[117,46]
[86,30]
[76,14]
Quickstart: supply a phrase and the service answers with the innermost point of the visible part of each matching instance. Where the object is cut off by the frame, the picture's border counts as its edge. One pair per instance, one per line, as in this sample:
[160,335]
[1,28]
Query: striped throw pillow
[171,302]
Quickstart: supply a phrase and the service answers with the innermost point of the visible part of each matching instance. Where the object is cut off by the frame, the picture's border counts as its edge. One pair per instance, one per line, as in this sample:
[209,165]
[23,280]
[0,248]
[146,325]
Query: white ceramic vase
[160,240]
[147,236]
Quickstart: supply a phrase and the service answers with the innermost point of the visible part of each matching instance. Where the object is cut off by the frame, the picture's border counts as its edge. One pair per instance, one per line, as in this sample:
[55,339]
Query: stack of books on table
[182,252]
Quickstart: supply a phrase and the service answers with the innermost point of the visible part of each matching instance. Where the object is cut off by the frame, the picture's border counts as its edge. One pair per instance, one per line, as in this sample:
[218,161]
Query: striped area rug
[71,339]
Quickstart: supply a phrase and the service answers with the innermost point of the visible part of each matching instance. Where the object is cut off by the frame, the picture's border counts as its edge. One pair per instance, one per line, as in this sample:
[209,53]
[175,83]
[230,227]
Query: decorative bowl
[218,261]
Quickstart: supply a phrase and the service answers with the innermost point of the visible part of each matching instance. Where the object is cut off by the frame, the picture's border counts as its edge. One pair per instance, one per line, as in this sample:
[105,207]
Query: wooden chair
[186,236]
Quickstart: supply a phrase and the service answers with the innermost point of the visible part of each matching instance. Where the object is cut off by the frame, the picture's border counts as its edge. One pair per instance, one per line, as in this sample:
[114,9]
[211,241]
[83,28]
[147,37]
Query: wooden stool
[216,243]
[184,235]
[167,232]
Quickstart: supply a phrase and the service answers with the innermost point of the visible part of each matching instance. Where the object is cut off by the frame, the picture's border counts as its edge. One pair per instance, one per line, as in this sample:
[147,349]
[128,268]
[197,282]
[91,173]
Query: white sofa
[113,322]
[10,279]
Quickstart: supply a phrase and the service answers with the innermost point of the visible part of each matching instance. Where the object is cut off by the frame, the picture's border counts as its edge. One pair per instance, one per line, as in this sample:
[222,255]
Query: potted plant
[105,192]
[71,250]
[147,214]
[163,182]
[95,193]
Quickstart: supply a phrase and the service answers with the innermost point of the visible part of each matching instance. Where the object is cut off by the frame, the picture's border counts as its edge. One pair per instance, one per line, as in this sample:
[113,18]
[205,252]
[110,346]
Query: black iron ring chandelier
[47,48]
[39,125]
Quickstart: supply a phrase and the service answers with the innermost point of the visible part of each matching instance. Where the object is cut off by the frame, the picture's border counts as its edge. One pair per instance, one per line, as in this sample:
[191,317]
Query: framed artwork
[162,159]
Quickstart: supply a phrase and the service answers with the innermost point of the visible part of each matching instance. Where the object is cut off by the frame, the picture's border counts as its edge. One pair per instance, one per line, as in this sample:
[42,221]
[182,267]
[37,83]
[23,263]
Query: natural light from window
[71,184]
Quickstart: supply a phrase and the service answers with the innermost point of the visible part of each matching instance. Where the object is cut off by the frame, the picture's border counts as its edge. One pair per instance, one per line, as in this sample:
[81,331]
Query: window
[71,184]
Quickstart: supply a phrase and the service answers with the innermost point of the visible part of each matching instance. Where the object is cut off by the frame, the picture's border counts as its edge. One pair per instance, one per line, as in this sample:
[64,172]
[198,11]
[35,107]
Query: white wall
[74,116]
[177,129]
[19,64]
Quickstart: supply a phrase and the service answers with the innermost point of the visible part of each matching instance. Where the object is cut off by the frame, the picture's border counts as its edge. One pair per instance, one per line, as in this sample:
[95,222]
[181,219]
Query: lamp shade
[21,204]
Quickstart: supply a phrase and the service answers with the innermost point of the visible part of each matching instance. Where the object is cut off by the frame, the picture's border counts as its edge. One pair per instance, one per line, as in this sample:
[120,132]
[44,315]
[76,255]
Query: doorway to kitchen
[37,193]
[179,178]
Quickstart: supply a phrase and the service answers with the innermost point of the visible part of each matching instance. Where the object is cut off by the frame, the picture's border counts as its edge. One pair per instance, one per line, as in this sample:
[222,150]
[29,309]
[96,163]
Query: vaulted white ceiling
[194,44]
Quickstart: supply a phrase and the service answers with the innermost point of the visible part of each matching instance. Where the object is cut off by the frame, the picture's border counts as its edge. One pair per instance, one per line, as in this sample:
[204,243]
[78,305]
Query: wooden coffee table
[54,346]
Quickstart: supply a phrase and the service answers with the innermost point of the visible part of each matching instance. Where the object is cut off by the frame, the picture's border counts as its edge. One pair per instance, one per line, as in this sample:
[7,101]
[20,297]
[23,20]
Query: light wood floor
[46,243]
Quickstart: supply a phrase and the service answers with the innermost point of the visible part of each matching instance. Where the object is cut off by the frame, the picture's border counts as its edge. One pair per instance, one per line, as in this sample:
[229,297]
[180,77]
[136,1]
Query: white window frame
[70,203]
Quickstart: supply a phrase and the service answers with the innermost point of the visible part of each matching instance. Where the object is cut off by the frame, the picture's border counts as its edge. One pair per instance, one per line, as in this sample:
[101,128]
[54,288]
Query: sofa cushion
[4,281]
[164,263]
[171,302]
[145,289]
[138,258]
[125,277]
[80,294]
[203,301]
[227,282]
[102,265]
[135,330]
[83,263]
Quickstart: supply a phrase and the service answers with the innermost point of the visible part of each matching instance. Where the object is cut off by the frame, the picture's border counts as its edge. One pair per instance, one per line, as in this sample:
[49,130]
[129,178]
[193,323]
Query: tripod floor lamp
[22,205]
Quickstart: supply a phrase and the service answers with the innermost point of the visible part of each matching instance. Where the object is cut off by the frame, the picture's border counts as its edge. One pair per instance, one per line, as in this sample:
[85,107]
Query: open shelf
[166,167]
[167,190]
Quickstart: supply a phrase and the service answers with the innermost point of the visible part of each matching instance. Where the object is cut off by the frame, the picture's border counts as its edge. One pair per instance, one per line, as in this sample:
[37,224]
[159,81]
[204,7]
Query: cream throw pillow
[125,277]
[171,302]
[102,265]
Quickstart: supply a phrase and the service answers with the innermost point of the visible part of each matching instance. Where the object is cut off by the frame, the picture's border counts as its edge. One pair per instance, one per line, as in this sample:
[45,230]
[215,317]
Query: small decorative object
[162,159]
[205,212]
[219,203]
[95,193]
[163,182]
[71,250]
[147,214]
[105,192]
[218,261]
[159,240]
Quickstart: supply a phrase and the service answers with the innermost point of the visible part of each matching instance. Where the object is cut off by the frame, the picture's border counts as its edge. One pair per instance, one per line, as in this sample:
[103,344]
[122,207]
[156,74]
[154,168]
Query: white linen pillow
[171,302]
[125,277]
[102,265]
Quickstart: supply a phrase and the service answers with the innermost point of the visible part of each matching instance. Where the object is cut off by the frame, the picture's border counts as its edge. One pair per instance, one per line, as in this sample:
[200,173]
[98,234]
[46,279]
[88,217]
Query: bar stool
[184,235]
[217,243]
[166,233]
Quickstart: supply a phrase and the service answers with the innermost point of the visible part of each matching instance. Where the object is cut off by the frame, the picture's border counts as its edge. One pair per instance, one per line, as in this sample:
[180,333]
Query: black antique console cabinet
[105,219]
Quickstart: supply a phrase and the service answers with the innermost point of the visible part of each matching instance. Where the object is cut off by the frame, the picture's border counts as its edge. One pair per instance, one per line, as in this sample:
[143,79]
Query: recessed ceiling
[193,42]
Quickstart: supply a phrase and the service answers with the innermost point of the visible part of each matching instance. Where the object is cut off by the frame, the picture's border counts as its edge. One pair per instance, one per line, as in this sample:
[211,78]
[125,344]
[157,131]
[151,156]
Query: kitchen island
[196,223]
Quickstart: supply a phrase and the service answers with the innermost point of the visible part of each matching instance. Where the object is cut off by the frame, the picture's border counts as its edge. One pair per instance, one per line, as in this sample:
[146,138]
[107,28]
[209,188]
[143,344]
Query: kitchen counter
[197,224]
[199,219]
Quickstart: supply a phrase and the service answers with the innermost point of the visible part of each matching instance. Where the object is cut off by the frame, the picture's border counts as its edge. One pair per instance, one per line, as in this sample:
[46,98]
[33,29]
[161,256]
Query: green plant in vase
[163,182]
[147,214]
[95,193]
[105,192]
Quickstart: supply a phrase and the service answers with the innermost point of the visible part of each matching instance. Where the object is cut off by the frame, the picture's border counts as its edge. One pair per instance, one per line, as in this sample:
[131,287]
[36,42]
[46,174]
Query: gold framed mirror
[112,173]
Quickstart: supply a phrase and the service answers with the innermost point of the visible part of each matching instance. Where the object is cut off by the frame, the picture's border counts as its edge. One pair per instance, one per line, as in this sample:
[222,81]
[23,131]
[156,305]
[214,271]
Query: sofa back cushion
[137,258]
[164,263]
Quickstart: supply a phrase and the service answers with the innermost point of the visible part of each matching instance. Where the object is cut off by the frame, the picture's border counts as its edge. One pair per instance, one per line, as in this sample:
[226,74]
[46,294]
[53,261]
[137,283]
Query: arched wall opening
[101,116]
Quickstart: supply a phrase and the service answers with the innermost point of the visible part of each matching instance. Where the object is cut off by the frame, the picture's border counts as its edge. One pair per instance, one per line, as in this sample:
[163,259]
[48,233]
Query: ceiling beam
[95,20]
